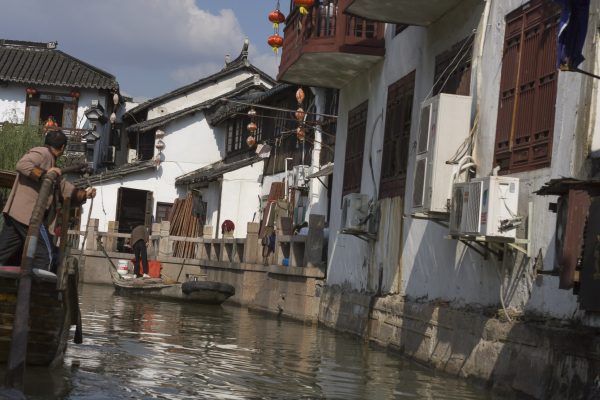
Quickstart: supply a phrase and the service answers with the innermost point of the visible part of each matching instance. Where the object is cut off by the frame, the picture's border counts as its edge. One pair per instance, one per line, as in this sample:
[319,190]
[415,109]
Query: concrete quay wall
[543,360]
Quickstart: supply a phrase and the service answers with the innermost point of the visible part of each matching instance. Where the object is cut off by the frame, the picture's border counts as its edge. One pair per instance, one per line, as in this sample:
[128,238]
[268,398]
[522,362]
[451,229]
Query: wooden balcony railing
[327,29]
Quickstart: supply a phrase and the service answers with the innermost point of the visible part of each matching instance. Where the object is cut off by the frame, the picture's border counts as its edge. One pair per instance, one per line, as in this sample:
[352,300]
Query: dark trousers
[139,249]
[12,240]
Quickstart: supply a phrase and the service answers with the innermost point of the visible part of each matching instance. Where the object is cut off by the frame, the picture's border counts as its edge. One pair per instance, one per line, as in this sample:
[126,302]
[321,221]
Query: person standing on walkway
[139,239]
[31,169]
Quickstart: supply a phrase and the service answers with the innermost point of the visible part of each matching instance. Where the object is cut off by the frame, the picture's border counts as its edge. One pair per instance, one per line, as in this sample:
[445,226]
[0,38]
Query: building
[43,86]
[436,93]
[165,138]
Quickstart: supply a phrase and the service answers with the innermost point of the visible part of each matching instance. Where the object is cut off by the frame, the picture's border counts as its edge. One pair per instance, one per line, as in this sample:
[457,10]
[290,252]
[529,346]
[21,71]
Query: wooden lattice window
[527,88]
[355,148]
[453,69]
[235,135]
[163,210]
[397,137]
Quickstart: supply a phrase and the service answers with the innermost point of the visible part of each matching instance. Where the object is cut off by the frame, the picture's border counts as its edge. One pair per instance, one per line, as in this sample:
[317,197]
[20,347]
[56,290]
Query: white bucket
[123,267]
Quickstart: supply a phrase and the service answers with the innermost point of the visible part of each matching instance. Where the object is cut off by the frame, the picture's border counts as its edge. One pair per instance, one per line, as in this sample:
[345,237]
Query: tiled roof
[240,63]
[117,173]
[226,110]
[161,121]
[214,171]
[42,64]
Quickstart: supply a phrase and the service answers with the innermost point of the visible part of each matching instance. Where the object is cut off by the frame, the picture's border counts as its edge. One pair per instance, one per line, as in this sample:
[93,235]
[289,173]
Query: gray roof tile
[37,63]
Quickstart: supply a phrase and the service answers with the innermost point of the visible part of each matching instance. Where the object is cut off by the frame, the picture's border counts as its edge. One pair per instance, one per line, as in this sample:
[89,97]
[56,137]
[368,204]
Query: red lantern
[276,17]
[300,95]
[304,5]
[300,133]
[275,41]
[250,141]
[30,91]
[252,127]
[300,114]
[74,94]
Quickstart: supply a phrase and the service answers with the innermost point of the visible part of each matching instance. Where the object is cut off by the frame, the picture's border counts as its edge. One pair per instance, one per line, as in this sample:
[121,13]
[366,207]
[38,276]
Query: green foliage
[15,140]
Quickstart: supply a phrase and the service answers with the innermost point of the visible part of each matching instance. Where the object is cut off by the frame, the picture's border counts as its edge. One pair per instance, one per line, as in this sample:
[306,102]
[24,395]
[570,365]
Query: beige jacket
[139,233]
[30,169]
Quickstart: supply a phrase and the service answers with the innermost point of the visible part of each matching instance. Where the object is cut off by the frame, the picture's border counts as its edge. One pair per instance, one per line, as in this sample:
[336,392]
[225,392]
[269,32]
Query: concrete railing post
[111,241]
[154,242]
[92,235]
[251,245]
[313,250]
[165,247]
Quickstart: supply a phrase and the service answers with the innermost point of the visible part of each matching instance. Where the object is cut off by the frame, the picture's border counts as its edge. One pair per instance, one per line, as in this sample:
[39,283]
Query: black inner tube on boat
[195,286]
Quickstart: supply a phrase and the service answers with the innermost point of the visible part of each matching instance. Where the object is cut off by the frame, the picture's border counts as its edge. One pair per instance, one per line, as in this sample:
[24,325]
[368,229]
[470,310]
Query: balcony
[327,48]
[411,12]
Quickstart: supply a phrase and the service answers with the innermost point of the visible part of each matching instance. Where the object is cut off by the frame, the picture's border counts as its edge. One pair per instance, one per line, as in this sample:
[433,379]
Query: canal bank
[542,358]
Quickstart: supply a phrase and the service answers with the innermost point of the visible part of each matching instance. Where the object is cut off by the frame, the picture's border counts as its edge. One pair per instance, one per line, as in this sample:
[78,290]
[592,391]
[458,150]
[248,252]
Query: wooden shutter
[397,137]
[527,88]
[148,210]
[32,112]
[355,148]
[69,119]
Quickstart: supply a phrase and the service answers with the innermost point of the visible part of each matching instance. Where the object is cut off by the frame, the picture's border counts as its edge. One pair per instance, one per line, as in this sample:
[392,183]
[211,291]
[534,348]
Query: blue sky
[151,46]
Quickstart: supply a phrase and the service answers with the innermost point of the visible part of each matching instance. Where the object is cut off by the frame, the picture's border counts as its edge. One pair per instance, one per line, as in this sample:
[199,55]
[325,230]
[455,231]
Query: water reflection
[140,349]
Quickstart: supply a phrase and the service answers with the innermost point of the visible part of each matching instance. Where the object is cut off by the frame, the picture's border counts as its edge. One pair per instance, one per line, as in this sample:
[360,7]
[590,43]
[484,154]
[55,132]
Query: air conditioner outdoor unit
[355,213]
[131,155]
[300,172]
[444,125]
[489,207]
[110,155]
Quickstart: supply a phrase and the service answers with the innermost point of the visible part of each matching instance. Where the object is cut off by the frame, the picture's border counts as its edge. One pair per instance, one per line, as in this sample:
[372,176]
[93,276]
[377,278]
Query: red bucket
[154,267]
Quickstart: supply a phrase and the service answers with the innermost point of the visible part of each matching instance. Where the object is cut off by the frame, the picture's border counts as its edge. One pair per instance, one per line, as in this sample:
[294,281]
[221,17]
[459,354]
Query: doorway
[134,207]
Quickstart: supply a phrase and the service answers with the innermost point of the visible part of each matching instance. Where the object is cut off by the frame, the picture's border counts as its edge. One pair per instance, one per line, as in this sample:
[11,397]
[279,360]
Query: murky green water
[135,349]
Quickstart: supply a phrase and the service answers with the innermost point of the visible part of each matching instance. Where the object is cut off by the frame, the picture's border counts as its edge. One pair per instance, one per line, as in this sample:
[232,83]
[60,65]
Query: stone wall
[544,360]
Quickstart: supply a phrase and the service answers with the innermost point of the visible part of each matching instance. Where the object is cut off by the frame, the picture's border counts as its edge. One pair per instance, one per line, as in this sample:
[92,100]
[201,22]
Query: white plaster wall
[201,94]
[211,195]
[434,267]
[240,200]
[189,144]
[12,104]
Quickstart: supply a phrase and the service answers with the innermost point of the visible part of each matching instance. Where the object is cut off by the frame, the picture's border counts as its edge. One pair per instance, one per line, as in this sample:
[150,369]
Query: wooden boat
[202,292]
[52,312]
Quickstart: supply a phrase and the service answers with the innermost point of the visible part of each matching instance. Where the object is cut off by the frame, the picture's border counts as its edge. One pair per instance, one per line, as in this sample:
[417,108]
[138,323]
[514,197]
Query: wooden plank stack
[184,223]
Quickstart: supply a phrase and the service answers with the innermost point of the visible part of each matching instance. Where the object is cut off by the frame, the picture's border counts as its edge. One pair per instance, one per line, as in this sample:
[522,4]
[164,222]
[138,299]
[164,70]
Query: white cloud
[172,41]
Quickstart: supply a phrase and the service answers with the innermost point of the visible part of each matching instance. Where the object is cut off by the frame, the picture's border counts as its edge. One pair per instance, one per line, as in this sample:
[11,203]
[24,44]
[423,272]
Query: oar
[15,373]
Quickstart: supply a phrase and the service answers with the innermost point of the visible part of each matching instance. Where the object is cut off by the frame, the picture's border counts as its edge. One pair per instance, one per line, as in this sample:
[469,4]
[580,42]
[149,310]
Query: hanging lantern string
[304,124]
[276,108]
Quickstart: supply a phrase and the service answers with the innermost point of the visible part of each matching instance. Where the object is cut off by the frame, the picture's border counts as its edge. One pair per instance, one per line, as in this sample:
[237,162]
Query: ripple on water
[142,349]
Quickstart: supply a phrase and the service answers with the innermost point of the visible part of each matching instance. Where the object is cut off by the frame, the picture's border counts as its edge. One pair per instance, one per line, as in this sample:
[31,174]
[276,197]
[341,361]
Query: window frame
[396,142]
[528,89]
[355,148]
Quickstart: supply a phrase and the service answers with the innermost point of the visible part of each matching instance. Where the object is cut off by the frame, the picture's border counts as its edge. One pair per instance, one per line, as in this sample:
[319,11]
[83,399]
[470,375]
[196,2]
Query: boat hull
[202,292]
[50,317]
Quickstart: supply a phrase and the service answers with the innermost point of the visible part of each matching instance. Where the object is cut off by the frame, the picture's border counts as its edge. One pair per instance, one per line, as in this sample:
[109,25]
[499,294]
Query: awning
[324,171]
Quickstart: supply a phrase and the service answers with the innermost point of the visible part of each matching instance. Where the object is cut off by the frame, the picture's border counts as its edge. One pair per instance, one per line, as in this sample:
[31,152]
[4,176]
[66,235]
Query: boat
[197,291]
[52,312]
[202,292]
[38,307]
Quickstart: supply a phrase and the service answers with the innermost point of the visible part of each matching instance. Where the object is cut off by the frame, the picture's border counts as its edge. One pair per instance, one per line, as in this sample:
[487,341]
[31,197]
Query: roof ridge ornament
[245,51]
[52,45]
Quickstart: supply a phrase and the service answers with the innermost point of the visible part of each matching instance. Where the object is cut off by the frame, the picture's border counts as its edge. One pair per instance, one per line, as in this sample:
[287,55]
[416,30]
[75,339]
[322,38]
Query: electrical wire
[274,108]
[450,64]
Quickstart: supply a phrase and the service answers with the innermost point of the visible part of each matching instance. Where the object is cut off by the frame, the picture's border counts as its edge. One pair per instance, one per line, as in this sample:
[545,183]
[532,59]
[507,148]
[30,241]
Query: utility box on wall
[444,126]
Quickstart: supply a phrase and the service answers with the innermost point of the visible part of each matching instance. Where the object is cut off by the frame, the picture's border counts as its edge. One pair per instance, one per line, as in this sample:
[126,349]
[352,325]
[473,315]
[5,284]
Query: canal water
[145,349]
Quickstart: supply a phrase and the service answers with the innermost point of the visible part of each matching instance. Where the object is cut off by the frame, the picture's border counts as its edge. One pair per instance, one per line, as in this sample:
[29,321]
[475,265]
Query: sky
[150,46]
